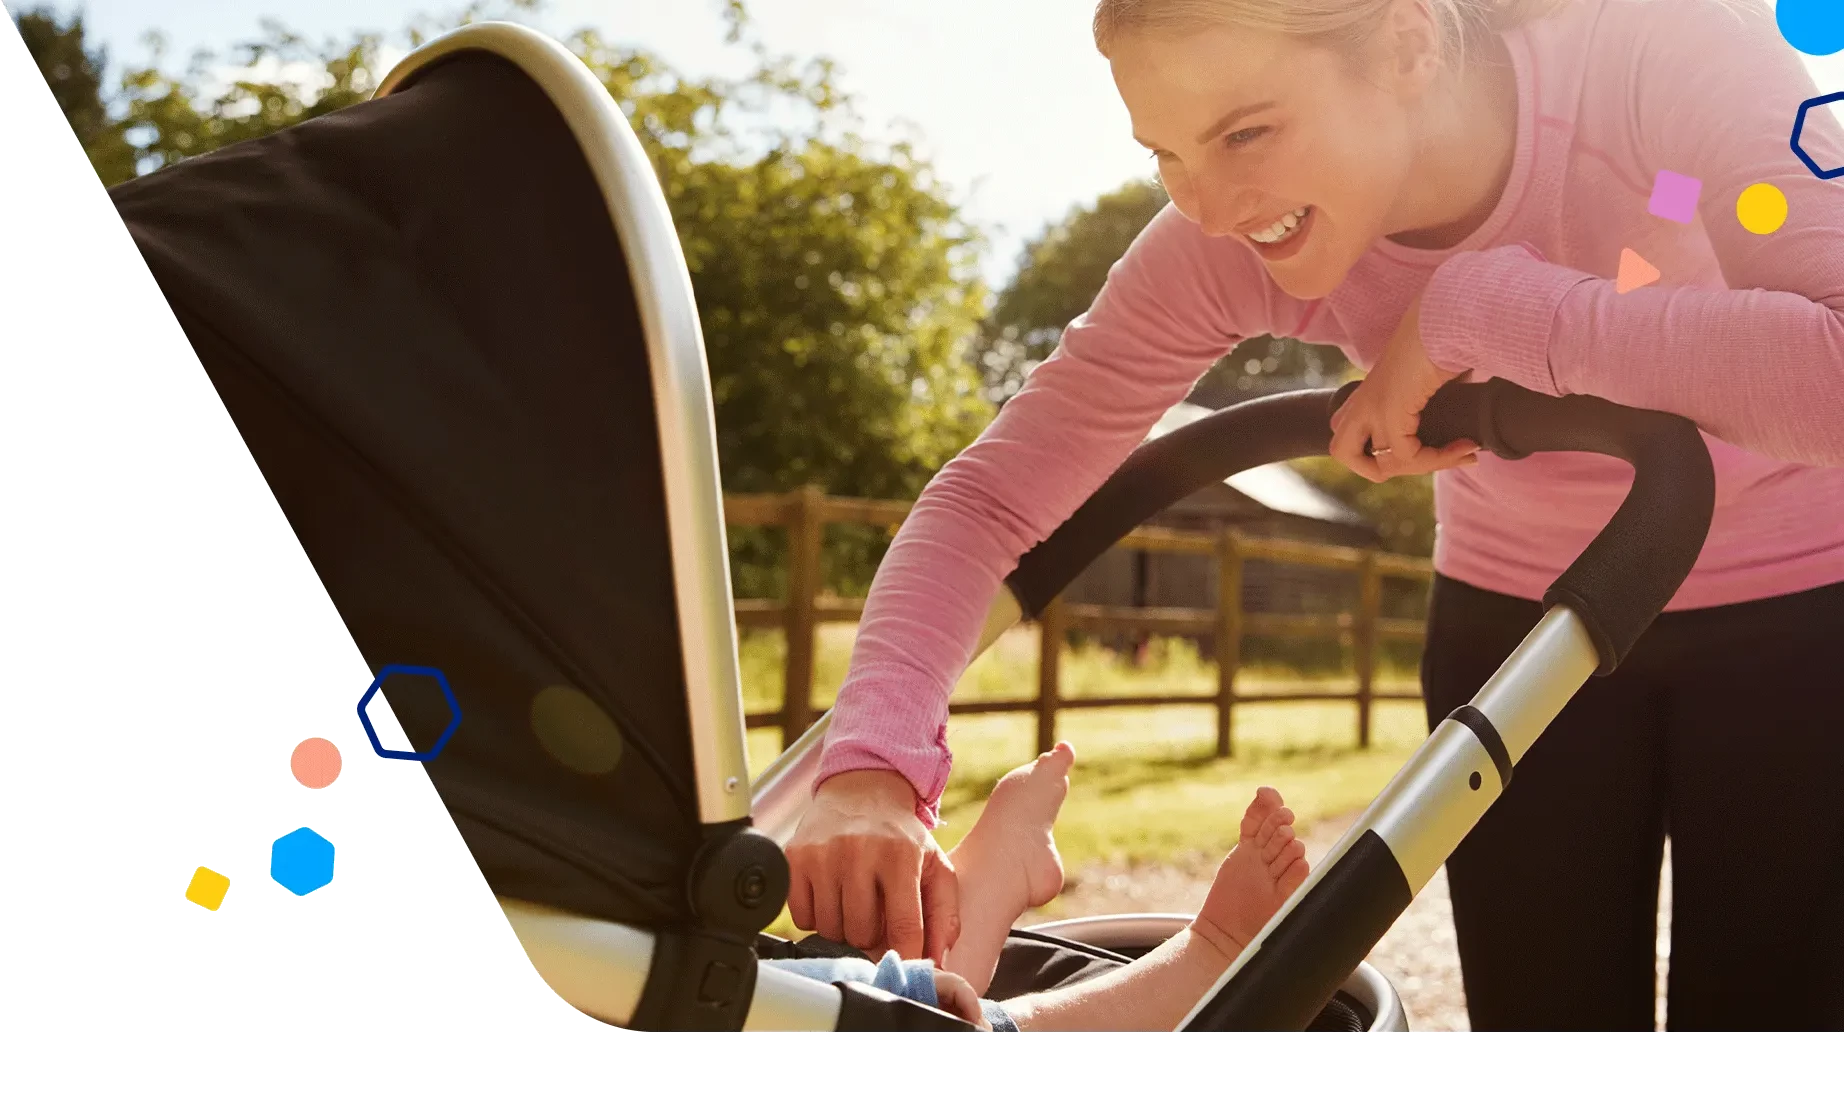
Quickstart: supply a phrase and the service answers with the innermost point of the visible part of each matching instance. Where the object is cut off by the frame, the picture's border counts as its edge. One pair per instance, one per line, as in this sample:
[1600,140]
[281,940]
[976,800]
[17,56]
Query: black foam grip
[1630,570]
[1160,472]
[1313,951]
[865,1008]
[1617,586]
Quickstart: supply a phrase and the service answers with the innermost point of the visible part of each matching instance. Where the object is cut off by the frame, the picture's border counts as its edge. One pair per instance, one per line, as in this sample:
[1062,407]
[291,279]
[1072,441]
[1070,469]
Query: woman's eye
[1244,137]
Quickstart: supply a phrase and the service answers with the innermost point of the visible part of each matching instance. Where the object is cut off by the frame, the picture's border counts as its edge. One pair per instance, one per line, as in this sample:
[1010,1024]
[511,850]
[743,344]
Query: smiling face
[1301,150]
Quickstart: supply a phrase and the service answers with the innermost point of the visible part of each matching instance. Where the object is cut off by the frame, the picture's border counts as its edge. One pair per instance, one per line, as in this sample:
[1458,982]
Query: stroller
[454,327]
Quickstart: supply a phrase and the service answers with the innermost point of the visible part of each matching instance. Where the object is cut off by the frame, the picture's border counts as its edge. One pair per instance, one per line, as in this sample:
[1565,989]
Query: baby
[1008,863]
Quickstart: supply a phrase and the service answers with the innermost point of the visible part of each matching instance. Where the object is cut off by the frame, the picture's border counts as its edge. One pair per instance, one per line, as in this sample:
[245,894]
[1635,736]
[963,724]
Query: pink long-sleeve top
[1744,334]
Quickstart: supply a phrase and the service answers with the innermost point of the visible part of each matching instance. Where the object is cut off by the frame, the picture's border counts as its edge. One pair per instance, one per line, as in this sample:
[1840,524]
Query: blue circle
[1813,27]
[448,693]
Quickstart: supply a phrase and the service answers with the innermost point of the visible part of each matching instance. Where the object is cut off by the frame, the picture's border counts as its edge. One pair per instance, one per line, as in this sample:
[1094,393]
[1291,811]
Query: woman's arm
[1172,306]
[1761,365]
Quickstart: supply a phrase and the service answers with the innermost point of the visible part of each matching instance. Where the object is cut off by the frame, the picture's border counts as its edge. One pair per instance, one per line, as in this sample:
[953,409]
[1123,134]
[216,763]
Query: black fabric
[418,314]
[1722,728]
[1027,962]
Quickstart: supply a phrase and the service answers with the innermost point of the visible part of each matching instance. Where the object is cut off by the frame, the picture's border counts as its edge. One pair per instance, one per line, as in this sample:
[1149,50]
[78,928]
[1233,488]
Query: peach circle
[315,762]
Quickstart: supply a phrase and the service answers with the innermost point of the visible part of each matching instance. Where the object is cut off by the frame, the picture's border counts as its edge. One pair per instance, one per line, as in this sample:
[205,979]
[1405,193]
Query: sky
[1007,98]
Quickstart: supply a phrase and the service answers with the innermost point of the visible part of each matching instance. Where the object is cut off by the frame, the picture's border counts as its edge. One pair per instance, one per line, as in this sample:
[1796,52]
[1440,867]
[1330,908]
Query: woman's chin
[1306,279]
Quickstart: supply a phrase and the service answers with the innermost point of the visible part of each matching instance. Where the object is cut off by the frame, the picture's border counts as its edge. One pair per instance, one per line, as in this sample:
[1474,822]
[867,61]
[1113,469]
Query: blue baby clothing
[911,980]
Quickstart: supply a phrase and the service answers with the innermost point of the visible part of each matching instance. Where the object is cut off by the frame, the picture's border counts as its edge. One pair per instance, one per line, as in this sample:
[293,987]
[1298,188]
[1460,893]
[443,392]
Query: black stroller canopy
[419,315]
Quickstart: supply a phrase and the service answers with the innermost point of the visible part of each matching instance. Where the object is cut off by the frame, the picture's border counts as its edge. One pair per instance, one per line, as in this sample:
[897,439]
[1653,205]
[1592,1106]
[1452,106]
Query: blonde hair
[1346,23]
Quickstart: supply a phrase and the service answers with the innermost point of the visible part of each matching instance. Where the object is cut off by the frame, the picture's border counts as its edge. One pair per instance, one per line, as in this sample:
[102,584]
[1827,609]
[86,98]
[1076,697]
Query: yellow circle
[577,732]
[1761,208]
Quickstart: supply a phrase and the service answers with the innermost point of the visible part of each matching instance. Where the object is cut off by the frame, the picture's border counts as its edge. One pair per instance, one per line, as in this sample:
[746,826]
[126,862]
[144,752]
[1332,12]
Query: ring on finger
[1375,452]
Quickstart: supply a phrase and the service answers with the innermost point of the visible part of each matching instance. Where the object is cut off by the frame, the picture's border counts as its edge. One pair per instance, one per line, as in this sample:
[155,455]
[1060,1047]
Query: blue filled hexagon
[301,861]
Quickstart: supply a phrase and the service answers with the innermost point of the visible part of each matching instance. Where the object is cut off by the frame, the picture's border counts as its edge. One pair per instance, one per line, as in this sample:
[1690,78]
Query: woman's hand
[1386,408]
[958,999]
[864,870]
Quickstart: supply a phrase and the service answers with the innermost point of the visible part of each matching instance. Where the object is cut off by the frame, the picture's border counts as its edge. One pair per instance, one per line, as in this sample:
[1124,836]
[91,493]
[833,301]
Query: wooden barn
[1274,501]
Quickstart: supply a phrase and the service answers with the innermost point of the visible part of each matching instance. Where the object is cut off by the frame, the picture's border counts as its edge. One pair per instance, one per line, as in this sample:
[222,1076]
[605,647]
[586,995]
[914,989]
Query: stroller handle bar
[1621,581]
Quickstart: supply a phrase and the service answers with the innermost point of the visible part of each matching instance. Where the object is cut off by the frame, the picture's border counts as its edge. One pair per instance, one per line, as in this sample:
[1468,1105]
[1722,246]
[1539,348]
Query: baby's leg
[1008,862]
[1258,876]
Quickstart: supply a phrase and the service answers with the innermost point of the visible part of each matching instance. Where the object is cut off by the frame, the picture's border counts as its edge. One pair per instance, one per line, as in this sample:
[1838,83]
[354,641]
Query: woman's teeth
[1280,229]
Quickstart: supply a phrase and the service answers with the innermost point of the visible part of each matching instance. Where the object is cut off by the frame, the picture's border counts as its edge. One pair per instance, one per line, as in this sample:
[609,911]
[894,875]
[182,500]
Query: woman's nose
[1220,214]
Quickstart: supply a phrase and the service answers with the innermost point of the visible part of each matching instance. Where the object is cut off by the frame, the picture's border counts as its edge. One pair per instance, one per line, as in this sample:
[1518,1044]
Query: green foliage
[75,74]
[837,284]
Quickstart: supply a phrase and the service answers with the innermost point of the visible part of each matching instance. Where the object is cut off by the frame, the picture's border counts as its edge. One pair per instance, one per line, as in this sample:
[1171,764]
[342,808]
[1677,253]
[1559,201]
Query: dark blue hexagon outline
[296,835]
[1799,125]
[454,707]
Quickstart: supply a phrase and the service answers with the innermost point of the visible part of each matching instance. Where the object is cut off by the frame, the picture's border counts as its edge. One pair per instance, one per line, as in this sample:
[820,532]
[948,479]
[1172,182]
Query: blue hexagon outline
[454,707]
[296,835]
[1799,125]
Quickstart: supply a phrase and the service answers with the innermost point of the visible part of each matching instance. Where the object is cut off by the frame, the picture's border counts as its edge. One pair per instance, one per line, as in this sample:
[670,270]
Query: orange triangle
[1634,271]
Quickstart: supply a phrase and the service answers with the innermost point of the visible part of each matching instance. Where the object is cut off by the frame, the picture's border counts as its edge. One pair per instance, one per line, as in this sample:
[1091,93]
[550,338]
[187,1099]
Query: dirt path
[1417,955]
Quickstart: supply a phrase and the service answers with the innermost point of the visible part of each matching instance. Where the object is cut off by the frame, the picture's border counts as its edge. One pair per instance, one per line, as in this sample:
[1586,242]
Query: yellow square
[207,888]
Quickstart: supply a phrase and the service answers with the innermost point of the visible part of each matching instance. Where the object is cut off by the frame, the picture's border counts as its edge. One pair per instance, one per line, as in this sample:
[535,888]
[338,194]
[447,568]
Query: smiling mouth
[1282,229]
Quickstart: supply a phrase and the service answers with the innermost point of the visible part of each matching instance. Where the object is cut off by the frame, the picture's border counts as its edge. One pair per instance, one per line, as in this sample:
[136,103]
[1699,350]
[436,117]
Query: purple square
[1674,197]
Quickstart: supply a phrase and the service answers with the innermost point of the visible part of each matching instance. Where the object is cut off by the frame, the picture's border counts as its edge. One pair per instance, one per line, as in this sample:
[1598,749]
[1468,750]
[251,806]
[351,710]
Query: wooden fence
[806,513]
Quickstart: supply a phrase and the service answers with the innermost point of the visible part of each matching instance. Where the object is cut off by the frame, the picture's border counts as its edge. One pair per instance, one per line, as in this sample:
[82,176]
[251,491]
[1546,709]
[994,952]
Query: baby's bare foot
[1258,876]
[1008,862]
[1010,850]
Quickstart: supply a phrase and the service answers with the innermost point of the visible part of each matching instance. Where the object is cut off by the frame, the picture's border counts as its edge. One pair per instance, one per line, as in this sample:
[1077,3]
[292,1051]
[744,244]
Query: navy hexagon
[1799,125]
[448,693]
[301,861]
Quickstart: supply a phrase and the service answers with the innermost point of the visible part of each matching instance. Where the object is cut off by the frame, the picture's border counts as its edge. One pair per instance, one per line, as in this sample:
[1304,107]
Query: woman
[1442,187]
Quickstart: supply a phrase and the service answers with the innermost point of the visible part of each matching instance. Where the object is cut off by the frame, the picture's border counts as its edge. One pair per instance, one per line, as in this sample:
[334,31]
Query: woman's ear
[1411,42]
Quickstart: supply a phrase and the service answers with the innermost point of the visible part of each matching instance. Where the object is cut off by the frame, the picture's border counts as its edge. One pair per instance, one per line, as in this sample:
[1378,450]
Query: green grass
[1147,783]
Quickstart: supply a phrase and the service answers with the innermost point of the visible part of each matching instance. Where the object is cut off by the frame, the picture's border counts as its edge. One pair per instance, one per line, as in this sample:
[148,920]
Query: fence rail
[805,513]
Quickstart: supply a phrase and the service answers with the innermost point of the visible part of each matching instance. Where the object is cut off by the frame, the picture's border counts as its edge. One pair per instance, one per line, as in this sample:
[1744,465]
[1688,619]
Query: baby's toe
[1277,818]
[1276,844]
[1260,809]
[1292,853]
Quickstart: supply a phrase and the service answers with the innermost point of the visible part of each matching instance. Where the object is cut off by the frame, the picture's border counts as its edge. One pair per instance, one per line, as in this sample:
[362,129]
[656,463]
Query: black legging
[1724,728]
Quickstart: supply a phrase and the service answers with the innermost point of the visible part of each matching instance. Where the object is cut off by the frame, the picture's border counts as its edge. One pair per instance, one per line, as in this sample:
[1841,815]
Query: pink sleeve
[1760,365]
[1173,305]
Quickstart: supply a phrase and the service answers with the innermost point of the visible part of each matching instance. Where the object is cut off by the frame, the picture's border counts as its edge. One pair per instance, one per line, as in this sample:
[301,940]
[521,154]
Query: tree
[75,74]
[837,284]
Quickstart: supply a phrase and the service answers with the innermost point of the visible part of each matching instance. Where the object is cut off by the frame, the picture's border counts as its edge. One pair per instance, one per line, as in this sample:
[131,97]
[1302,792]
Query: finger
[827,919]
[957,997]
[863,921]
[1348,448]
[800,894]
[1454,455]
[900,883]
[940,906]
[1396,451]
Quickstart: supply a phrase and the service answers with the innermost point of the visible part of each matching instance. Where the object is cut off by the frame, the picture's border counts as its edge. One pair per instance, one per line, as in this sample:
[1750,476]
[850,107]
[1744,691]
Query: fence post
[806,527]
[1049,669]
[1370,594]
[1229,637]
